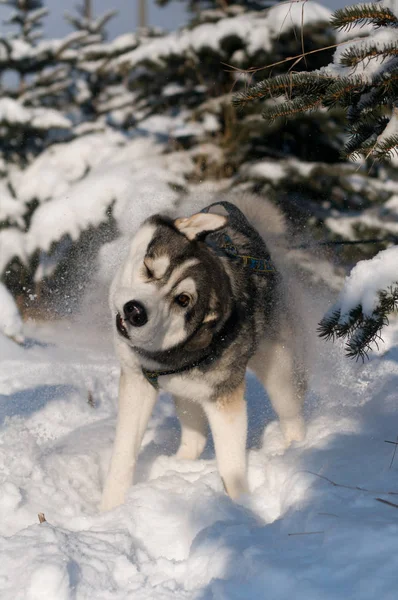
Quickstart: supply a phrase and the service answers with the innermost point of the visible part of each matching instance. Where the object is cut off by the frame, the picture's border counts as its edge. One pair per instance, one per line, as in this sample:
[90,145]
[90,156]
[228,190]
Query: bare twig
[395,451]
[297,57]
[307,533]
[90,399]
[387,502]
[351,487]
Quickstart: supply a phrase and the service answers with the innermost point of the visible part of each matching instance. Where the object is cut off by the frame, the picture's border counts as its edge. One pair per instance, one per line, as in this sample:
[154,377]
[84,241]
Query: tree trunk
[142,14]
[88,9]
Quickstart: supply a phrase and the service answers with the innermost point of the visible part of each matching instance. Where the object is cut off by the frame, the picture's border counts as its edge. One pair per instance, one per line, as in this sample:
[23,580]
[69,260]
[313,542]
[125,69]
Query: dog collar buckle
[151,377]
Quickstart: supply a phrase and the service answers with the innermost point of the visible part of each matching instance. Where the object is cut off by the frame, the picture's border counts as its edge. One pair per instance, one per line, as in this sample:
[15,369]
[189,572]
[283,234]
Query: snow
[125,180]
[51,173]
[12,245]
[274,171]
[10,319]
[295,15]
[267,169]
[368,68]
[178,535]
[48,118]
[256,29]
[10,208]
[13,112]
[366,279]
[119,45]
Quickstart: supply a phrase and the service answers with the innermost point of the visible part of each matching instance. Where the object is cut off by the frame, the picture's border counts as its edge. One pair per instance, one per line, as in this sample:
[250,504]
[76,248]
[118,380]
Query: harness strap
[152,376]
[260,266]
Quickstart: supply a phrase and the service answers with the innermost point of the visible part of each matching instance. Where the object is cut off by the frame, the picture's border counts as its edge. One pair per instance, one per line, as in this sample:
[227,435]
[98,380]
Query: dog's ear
[199,224]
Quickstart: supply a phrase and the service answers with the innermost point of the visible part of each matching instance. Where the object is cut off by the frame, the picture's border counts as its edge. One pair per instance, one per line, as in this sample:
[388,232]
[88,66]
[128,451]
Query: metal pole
[142,13]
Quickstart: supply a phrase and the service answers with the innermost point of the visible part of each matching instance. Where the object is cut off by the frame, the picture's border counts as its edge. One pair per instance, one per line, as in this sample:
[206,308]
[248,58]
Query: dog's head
[172,291]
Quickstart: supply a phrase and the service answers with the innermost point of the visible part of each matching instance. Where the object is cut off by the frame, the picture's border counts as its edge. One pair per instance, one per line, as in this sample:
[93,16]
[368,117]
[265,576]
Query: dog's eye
[148,271]
[182,300]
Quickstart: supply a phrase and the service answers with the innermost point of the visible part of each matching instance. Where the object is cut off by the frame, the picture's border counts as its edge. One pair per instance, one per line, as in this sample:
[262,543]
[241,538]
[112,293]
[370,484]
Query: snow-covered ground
[299,535]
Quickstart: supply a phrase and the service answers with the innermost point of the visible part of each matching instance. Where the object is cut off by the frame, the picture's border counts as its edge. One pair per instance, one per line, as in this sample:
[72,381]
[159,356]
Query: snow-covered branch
[369,295]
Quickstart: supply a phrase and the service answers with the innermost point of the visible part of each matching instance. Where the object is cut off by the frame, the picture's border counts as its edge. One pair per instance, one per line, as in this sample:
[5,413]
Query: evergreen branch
[365,149]
[327,326]
[362,331]
[354,55]
[386,148]
[371,121]
[363,133]
[387,83]
[360,343]
[359,14]
[341,92]
[376,97]
[283,85]
[287,109]
[358,145]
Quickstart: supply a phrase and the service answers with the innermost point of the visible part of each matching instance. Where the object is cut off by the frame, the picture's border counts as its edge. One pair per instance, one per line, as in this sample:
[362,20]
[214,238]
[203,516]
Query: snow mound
[10,319]
[313,509]
[366,280]
[123,182]
[14,113]
[12,245]
[256,29]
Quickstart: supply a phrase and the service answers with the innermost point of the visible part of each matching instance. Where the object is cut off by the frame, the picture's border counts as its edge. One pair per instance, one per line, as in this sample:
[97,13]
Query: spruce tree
[363,80]
[27,17]
[196,5]
[369,297]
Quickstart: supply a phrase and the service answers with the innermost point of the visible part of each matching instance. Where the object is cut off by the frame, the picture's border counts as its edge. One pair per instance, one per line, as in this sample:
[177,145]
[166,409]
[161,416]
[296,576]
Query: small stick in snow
[90,399]
[387,502]
[395,450]
[350,487]
[42,518]
[306,533]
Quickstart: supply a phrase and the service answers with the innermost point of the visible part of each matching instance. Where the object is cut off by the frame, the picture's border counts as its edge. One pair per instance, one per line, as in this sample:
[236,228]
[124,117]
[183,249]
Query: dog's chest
[194,387]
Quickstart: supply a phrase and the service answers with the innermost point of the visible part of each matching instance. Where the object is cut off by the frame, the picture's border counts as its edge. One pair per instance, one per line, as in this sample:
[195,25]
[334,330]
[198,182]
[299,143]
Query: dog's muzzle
[120,326]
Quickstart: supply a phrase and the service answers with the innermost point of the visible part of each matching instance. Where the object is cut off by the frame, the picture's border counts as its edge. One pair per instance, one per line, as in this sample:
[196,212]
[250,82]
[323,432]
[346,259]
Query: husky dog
[196,302]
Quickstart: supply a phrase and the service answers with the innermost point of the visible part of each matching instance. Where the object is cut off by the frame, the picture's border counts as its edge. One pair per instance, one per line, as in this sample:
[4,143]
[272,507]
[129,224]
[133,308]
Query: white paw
[236,486]
[111,499]
[190,451]
[293,430]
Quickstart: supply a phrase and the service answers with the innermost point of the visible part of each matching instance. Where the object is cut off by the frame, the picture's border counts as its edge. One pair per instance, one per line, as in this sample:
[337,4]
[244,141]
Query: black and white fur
[214,318]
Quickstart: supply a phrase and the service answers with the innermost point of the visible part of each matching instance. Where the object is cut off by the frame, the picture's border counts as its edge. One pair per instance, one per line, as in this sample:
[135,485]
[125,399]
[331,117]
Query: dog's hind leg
[285,382]
[228,422]
[193,429]
[136,400]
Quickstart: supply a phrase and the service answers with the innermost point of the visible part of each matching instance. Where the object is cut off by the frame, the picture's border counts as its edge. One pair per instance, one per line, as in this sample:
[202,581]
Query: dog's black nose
[135,313]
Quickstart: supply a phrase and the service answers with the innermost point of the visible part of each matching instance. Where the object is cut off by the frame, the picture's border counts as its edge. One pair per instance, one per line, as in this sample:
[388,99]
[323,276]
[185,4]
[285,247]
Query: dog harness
[223,245]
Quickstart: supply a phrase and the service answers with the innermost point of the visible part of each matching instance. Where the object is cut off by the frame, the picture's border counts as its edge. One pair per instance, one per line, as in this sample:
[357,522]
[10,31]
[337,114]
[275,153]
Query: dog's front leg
[228,422]
[136,400]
